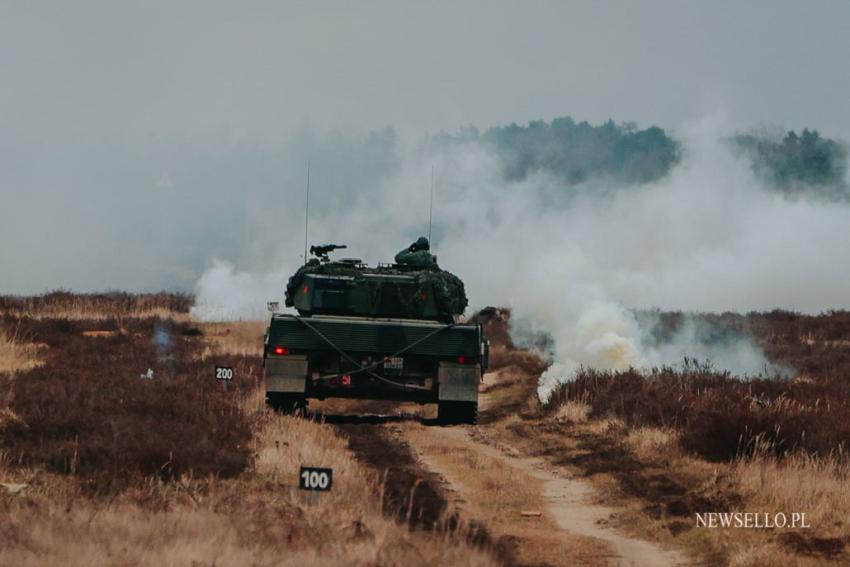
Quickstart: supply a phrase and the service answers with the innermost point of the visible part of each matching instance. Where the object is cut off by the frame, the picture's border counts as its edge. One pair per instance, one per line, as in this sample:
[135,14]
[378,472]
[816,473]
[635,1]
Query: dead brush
[256,518]
[17,353]
[63,304]
[176,468]
[719,417]
[573,411]
[88,411]
[238,338]
[798,481]
[653,443]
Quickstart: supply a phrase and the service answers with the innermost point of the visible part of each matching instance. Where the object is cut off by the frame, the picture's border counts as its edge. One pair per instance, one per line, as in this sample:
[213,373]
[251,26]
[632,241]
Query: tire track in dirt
[505,499]
[427,469]
[409,492]
[569,504]
[508,392]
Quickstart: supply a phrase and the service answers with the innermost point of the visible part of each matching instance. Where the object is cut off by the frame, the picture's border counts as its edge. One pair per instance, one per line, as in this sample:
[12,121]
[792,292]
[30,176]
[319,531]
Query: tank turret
[414,287]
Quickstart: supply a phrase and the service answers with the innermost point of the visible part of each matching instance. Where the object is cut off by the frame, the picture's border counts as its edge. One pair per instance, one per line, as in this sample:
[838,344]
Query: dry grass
[16,355]
[631,446]
[259,518]
[123,534]
[89,411]
[243,338]
[496,494]
[240,345]
[101,467]
[766,484]
[572,411]
[74,306]
[762,483]
[354,501]
[653,443]
[722,444]
[801,483]
[763,554]
[718,415]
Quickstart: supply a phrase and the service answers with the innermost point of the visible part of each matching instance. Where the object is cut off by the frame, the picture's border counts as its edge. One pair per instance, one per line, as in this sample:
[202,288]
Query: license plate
[393,363]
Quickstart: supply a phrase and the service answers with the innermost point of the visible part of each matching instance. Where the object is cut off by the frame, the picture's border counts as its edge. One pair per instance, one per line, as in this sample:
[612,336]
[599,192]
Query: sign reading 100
[315,478]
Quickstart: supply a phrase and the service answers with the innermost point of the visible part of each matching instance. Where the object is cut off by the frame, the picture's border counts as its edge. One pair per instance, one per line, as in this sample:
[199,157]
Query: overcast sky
[250,69]
[106,105]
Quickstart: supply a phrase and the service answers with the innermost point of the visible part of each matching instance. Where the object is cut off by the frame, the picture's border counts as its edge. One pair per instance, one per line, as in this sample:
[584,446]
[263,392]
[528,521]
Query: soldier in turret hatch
[417,254]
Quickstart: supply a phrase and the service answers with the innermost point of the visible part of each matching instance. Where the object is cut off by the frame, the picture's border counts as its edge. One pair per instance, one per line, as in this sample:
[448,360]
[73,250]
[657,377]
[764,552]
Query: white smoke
[702,342]
[708,237]
[225,294]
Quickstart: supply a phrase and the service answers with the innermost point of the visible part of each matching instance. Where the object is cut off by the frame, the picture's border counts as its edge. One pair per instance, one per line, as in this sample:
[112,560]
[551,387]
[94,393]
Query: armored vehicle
[391,332]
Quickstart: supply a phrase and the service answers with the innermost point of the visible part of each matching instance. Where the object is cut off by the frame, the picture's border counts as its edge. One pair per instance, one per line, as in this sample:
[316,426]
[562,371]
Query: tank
[414,287]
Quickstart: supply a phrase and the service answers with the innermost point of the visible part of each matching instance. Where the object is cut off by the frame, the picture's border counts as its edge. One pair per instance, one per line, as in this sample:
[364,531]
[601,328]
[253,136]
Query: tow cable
[369,369]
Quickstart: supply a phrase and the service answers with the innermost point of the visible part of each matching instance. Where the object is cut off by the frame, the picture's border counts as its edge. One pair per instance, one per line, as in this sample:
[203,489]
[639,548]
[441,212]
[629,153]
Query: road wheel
[287,404]
[450,413]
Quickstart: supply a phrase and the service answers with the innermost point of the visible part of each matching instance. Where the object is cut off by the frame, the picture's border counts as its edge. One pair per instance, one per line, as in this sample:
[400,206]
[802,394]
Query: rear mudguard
[286,374]
[458,382]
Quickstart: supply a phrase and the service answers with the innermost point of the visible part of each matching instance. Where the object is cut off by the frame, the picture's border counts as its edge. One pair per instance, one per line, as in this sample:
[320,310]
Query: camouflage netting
[446,289]
[449,293]
[314,267]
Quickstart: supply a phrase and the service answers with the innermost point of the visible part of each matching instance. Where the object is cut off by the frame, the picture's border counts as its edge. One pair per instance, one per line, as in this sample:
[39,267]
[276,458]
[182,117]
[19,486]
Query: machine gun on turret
[321,251]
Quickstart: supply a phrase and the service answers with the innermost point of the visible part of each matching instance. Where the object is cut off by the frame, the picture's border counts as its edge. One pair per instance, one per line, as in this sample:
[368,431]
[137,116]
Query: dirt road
[489,479]
[526,510]
[567,501]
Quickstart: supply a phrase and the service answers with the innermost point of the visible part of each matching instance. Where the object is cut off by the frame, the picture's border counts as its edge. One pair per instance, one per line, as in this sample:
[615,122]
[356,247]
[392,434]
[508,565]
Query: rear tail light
[467,359]
[280,350]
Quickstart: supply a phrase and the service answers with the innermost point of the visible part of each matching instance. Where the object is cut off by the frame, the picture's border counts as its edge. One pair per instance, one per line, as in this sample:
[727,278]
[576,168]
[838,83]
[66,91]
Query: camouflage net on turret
[314,267]
[449,293]
[447,289]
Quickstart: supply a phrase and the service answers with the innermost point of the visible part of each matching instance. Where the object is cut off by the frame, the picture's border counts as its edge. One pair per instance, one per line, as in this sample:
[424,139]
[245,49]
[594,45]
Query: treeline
[576,151]
[806,163]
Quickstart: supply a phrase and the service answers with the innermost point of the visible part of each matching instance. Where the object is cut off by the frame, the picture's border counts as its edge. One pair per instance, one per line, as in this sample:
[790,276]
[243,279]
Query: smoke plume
[579,264]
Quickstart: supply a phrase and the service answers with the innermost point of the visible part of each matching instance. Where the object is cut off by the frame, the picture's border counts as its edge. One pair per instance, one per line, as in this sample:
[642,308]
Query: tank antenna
[307,212]
[431,206]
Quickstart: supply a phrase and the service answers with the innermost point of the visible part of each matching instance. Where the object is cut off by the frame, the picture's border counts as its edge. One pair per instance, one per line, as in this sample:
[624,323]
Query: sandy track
[569,503]
[419,486]
[411,493]
[426,478]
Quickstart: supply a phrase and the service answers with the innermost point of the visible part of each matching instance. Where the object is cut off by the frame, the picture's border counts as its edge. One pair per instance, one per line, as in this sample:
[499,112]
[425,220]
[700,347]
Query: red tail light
[280,350]
[467,359]
[461,360]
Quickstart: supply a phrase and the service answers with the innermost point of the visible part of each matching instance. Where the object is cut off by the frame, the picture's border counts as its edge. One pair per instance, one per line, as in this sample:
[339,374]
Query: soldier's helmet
[420,244]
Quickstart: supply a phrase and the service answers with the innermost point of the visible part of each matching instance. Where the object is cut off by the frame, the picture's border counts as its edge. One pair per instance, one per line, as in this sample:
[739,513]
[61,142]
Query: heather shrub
[720,416]
[65,304]
[138,400]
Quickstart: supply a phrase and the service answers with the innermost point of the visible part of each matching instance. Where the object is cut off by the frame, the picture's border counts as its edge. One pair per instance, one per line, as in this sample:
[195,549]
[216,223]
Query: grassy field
[120,448]
[667,444]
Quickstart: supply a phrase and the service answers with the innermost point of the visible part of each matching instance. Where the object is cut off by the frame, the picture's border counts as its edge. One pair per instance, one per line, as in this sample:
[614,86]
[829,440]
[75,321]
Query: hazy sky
[235,70]
[138,140]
